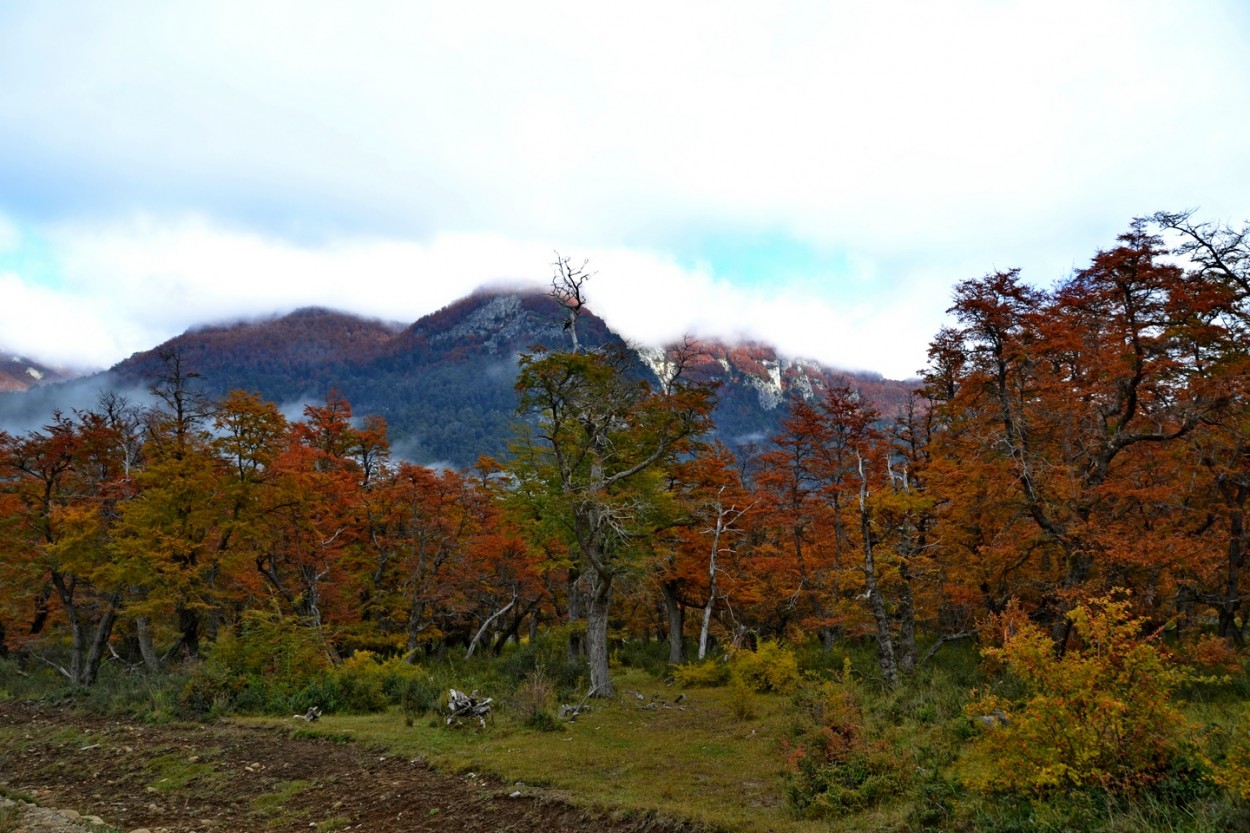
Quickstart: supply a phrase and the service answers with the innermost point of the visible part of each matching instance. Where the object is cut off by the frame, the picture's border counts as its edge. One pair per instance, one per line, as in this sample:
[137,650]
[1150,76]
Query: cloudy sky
[817,175]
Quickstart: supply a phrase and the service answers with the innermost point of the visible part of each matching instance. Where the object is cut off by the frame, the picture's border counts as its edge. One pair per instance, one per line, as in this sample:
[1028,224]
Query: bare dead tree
[726,517]
[568,288]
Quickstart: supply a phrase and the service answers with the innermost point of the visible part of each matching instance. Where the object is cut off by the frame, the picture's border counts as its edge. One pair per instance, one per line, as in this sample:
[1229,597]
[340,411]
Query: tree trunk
[95,652]
[676,623]
[143,635]
[486,625]
[513,630]
[41,610]
[85,654]
[597,635]
[906,649]
[705,625]
[1231,602]
[189,626]
[577,646]
[885,642]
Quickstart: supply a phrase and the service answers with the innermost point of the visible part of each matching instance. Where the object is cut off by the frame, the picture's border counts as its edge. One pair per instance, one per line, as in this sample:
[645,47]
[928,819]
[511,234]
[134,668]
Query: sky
[816,175]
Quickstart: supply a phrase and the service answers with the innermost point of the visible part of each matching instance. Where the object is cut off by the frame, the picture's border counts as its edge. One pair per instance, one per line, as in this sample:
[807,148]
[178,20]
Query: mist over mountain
[19,373]
[445,383]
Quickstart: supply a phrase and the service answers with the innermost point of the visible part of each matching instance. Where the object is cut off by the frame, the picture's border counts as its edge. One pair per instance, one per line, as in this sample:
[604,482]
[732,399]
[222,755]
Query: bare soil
[230,777]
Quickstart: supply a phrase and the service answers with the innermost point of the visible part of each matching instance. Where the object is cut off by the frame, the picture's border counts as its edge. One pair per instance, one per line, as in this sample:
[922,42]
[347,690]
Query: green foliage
[418,695]
[832,764]
[1100,715]
[742,701]
[533,702]
[769,668]
[650,656]
[548,652]
[1233,772]
[261,668]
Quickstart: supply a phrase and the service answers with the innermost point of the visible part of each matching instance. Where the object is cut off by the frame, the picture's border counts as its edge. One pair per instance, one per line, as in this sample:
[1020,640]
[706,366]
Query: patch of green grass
[15,795]
[70,736]
[272,806]
[704,762]
[177,770]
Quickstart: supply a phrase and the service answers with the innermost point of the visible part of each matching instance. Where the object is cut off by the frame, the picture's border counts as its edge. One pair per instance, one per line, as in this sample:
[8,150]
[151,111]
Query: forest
[1060,510]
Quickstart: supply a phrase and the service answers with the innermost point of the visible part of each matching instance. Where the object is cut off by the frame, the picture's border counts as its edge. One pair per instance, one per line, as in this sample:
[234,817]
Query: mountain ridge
[445,383]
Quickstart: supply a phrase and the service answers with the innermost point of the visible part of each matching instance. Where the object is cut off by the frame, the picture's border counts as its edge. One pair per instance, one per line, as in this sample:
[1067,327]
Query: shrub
[417,695]
[832,766]
[649,656]
[770,667]
[741,700]
[1213,655]
[549,652]
[533,701]
[707,674]
[1098,716]
[1234,772]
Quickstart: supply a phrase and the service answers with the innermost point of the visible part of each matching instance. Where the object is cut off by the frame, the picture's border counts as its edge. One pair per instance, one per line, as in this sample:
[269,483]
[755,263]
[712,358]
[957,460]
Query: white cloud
[388,159]
[50,326]
[129,287]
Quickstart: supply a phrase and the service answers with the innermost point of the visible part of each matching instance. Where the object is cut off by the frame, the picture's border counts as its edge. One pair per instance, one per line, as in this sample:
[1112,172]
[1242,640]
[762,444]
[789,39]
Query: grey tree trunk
[676,624]
[906,650]
[597,635]
[143,635]
[885,642]
[577,645]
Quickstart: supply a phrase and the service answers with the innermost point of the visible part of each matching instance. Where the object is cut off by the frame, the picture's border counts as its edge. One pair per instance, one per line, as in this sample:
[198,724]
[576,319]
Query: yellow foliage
[1101,715]
[1234,773]
[770,667]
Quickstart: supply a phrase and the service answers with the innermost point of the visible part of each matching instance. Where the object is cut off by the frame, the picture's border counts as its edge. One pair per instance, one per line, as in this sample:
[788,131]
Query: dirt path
[225,777]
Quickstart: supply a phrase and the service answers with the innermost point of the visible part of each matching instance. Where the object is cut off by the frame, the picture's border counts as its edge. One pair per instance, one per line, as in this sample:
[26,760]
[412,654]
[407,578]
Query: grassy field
[696,760]
[725,758]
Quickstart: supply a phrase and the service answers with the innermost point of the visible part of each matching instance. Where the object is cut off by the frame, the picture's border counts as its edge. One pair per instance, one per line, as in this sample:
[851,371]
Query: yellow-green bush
[707,674]
[1101,715]
[770,667]
[1234,772]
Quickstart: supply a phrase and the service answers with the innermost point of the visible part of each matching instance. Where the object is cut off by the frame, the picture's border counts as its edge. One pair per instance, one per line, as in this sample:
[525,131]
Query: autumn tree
[168,534]
[314,520]
[1218,357]
[1069,391]
[424,521]
[62,483]
[601,435]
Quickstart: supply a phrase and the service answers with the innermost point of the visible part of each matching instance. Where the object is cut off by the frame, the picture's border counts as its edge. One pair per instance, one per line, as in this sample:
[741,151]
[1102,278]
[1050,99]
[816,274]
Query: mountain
[445,384]
[18,373]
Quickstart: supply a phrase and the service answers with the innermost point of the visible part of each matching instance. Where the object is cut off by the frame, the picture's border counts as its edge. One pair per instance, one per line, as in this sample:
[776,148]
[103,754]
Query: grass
[719,761]
[272,805]
[698,763]
[177,770]
[713,766]
[16,795]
